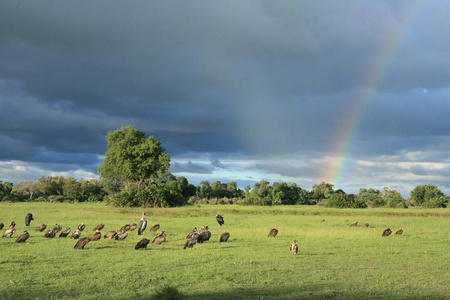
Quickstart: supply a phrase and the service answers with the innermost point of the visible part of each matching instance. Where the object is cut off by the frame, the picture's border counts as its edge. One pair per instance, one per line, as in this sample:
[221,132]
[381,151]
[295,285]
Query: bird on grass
[50,233]
[41,228]
[96,236]
[366,225]
[224,237]
[81,243]
[99,227]
[154,227]
[110,234]
[133,226]
[57,228]
[294,248]
[12,224]
[204,234]
[142,244]
[323,220]
[273,232]
[75,234]
[220,220]
[192,232]
[23,237]
[121,236]
[142,225]
[125,228]
[65,232]
[160,238]
[28,219]
[81,227]
[387,232]
[399,232]
[9,232]
[1,225]
[354,224]
[190,242]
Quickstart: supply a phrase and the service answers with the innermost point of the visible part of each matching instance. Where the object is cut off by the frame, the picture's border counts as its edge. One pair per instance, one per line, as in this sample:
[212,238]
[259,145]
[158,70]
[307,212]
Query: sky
[352,93]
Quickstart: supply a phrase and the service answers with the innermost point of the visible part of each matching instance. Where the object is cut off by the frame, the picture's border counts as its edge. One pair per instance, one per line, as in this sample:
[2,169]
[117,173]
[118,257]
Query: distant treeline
[167,190]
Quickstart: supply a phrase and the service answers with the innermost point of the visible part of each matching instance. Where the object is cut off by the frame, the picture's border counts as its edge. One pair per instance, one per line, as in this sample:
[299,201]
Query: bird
[121,236]
[133,226]
[12,224]
[81,243]
[323,220]
[387,232]
[190,242]
[160,238]
[96,236]
[9,232]
[154,227]
[23,237]
[41,227]
[142,225]
[354,224]
[220,220]
[57,228]
[50,233]
[191,233]
[294,248]
[28,219]
[142,244]
[399,232]
[224,236]
[125,227]
[366,225]
[204,234]
[2,225]
[273,232]
[110,234]
[81,227]
[99,227]
[65,232]
[75,234]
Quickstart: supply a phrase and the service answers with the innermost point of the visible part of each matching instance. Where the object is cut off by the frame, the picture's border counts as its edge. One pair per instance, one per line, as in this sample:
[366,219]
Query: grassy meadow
[335,261]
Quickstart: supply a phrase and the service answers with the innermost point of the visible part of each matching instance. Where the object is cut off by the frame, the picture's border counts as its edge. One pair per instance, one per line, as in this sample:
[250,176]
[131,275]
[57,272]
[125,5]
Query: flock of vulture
[193,237]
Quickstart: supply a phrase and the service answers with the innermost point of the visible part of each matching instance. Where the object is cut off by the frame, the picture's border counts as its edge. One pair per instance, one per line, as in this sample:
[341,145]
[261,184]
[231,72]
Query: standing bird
[23,237]
[142,244]
[57,228]
[110,234]
[366,225]
[399,232]
[204,234]
[354,224]
[160,238]
[97,235]
[224,236]
[81,227]
[142,225]
[75,234]
[387,232]
[133,226]
[121,236]
[99,227]
[190,242]
[154,227]
[2,225]
[9,232]
[192,233]
[65,232]
[273,232]
[28,219]
[12,224]
[41,228]
[81,243]
[294,248]
[220,220]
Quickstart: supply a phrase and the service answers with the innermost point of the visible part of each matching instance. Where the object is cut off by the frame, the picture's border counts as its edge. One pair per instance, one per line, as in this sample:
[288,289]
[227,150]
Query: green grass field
[335,261]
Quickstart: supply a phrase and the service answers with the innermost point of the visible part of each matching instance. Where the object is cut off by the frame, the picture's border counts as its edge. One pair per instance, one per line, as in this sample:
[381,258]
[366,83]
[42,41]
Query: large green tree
[132,158]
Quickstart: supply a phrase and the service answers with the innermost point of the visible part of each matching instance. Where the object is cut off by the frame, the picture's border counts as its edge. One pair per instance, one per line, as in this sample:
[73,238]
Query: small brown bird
[50,234]
[224,237]
[294,248]
[133,226]
[273,232]
[354,224]
[81,243]
[110,234]
[366,225]
[41,228]
[387,232]
[12,224]
[154,227]
[99,227]
[125,228]
[190,242]
[65,232]
[121,236]
[9,232]
[192,232]
[81,227]
[96,236]
[142,244]
[1,225]
[23,237]
[75,234]
[203,234]
[160,238]
[57,228]
[323,220]
[399,232]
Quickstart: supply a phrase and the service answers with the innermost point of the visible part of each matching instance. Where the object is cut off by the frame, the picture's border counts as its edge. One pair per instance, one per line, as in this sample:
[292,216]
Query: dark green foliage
[436,202]
[424,193]
[167,293]
[321,191]
[396,202]
[256,201]
[341,200]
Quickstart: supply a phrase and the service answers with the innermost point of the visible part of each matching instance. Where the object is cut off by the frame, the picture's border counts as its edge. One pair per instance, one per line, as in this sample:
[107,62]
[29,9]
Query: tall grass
[334,260]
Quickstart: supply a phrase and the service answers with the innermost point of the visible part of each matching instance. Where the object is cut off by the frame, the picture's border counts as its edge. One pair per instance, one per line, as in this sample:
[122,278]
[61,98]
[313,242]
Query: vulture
[65,232]
[142,244]
[323,220]
[9,232]
[110,234]
[220,220]
[387,232]
[12,224]
[154,227]
[125,228]
[81,227]
[41,228]
[50,234]
[57,228]
[366,225]
[99,227]
[224,236]
[133,226]
[354,224]
[2,225]
[160,238]
[190,242]
[97,235]
[81,243]
[273,232]
[28,219]
[191,233]
[204,234]
[294,248]
[121,236]
[23,237]
[399,232]
[142,225]
[75,234]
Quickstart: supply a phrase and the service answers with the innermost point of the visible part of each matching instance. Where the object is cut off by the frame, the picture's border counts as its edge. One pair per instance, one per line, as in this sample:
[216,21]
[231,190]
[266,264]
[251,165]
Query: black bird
[23,237]
[2,225]
[81,243]
[142,244]
[154,227]
[273,232]
[224,236]
[160,238]
[142,225]
[387,232]
[220,220]
[41,228]
[28,219]
[65,232]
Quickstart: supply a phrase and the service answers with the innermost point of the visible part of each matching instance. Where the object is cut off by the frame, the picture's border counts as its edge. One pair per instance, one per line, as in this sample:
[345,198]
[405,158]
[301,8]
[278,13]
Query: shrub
[340,200]
[167,293]
[396,202]
[256,201]
[435,203]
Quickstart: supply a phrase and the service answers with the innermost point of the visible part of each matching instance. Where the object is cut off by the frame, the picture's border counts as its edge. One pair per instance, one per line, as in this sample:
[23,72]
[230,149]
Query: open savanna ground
[334,259]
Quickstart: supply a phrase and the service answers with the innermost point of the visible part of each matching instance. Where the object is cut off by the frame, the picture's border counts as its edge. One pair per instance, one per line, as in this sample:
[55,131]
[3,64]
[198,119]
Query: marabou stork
[142,225]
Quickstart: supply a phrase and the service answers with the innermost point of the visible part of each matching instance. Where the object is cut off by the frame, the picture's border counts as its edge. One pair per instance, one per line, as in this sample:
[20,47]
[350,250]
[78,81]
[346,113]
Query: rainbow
[345,149]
